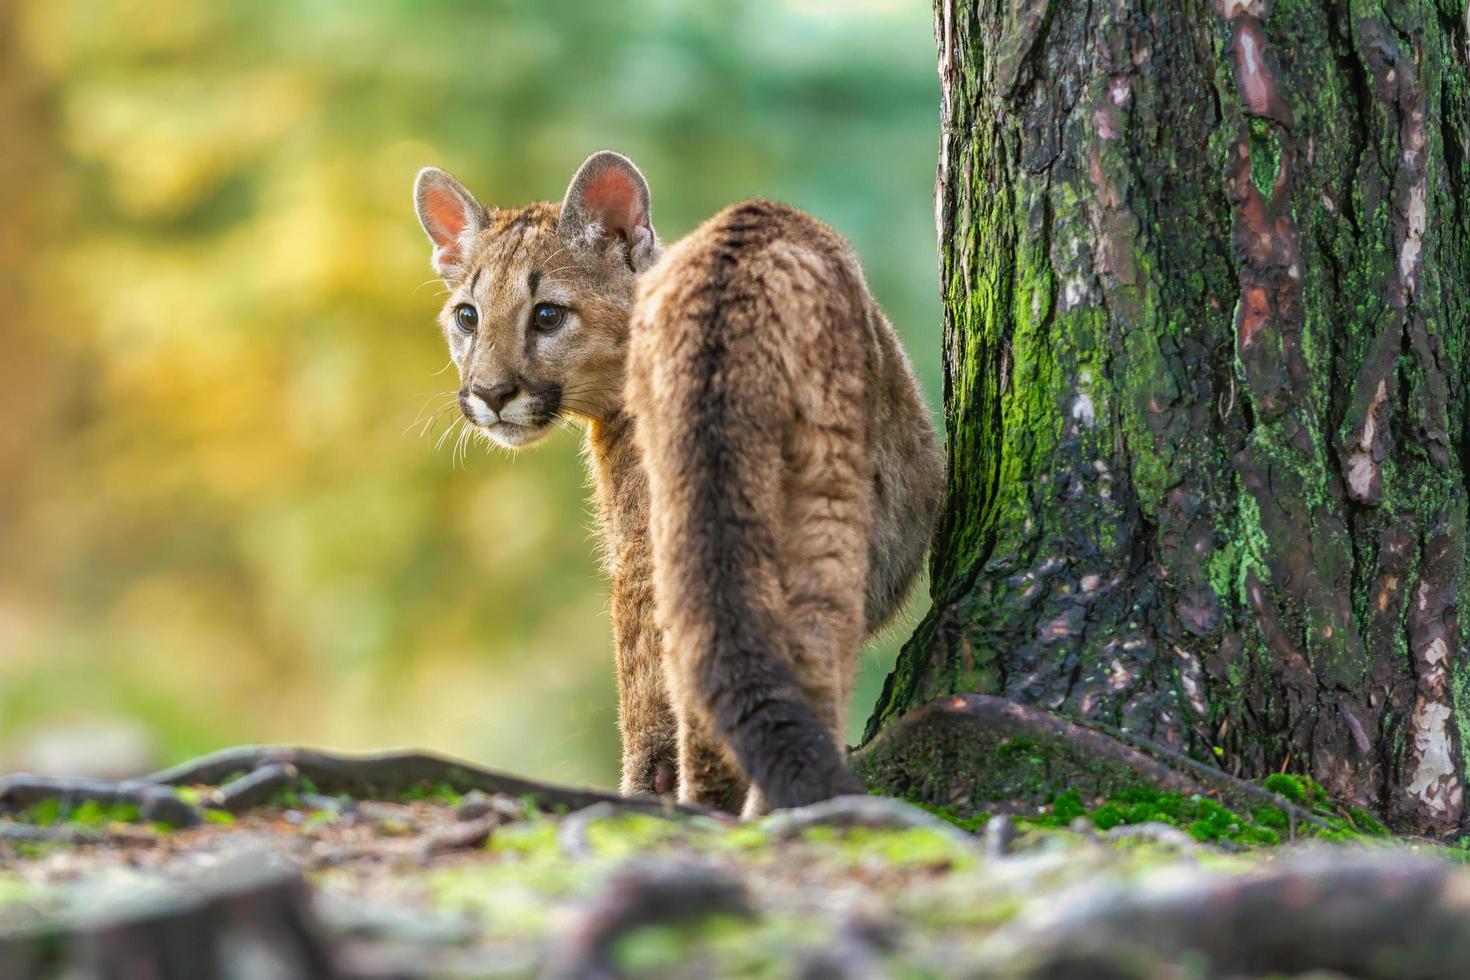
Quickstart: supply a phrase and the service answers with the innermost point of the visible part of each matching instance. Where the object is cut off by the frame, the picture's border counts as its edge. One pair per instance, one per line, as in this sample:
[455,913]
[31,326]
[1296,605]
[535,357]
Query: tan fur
[852,475]
[833,464]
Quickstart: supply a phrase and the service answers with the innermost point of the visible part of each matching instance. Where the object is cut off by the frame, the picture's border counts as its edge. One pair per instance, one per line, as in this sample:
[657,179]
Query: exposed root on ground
[638,897]
[154,801]
[239,779]
[979,752]
[269,768]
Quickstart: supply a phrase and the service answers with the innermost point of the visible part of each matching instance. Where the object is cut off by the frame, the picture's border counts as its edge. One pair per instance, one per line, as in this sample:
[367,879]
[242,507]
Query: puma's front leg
[649,732]
[650,736]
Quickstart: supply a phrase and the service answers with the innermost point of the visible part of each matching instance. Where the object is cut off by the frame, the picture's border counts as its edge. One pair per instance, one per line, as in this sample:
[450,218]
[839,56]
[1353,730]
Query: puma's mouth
[514,435]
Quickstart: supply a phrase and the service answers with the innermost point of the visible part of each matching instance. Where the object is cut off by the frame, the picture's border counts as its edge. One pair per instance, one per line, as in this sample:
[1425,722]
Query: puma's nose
[499,396]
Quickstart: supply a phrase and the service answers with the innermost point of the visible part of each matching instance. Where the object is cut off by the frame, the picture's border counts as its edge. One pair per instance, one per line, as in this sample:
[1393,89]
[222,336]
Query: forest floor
[489,885]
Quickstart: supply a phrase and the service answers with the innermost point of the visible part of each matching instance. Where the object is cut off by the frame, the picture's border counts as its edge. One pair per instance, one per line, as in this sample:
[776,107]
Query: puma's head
[537,314]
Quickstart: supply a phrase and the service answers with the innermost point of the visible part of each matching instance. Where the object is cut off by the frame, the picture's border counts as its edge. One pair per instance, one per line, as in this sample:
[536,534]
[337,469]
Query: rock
[1000,836]
[460,836]
[476,804]
[104,749]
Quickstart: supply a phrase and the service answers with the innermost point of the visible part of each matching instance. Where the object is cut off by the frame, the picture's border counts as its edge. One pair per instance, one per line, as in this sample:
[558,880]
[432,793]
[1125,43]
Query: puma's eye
[548,316]
[466,318]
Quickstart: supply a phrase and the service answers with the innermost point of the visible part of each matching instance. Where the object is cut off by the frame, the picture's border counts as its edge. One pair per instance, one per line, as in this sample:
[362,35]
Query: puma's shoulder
[762,252]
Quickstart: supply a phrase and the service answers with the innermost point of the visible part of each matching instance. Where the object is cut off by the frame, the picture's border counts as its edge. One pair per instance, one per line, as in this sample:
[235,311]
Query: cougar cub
[767,474]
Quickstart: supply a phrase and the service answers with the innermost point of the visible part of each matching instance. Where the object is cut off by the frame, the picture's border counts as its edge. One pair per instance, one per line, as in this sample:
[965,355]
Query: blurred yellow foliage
[223,516]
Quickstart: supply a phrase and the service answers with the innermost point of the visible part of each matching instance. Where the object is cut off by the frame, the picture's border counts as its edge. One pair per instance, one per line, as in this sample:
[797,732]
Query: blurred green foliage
[218,515]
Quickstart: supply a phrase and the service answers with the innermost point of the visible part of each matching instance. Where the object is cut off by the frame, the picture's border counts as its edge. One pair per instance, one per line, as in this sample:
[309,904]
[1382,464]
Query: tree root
[572,836]
[640,896]
[245,916]
[1228,787]
[254,788]
[250,776]
[979,751]
[271,768]
[1362,914]
[154,802]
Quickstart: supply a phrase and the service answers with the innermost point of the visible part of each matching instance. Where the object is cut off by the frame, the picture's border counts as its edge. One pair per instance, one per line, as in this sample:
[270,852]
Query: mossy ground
[908,901]
[1205,819]
[89,814]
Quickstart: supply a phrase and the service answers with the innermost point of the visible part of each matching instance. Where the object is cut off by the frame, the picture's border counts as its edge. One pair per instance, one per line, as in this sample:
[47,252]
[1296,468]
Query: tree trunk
[1206,279]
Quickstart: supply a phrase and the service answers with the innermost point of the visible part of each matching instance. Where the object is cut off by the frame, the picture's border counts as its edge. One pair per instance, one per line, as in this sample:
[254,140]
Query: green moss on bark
[1207,289]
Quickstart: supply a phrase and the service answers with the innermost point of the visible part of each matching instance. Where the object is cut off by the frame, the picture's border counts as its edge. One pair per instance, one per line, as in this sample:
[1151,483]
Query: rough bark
[1206,280]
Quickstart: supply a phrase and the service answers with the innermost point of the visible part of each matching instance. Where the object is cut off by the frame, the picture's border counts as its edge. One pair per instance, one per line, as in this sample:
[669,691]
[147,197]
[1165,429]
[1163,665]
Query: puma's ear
[608,199]
[450,215]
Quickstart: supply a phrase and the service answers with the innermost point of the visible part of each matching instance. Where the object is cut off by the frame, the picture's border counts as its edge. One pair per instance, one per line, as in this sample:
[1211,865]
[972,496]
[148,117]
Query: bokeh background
[221,517]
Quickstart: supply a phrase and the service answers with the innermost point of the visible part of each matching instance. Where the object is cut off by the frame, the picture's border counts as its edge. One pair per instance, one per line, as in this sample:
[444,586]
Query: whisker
[450,399]
[585,410]
[455,458]
[426,282]
[429,396]
[432,420]
[584,393]
[592,387]
[444,435]
[464,441]
[588,393]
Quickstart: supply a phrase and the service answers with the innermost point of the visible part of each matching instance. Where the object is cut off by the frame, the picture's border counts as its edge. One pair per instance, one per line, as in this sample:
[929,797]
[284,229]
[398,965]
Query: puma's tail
[712,393]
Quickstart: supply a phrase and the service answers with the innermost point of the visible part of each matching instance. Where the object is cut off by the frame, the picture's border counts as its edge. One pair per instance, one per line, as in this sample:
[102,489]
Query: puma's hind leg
[824,562]
[707,774]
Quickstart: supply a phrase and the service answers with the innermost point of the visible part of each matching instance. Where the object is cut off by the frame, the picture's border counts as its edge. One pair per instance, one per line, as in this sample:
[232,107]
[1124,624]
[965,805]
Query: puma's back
[793,478]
